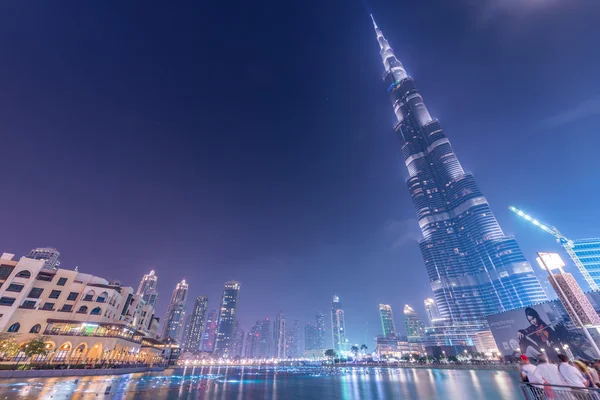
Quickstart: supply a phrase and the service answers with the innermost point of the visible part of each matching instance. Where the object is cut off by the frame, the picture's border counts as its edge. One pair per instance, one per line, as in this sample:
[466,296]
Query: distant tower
[320,331]
[147,288]
[310,337]
[226,328]
[415,329]
[263,344]
[338,325]
[196,326]
[48,254]
[175,315]
[387,320]
[210,333]
[433,315]
[279,336]
[238,350]
[293,339]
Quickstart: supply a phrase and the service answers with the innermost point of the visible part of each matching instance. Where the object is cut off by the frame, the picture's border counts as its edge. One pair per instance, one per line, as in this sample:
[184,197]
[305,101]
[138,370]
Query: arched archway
[14,327]
[62,352]
[82,310]
[89,296]
[102,297]
[35,329]
[94,355]
[78,354]
[96,311]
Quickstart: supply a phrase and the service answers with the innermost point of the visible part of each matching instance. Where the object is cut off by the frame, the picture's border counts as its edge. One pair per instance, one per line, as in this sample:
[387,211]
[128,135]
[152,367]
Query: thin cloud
[403,232]
[582,110]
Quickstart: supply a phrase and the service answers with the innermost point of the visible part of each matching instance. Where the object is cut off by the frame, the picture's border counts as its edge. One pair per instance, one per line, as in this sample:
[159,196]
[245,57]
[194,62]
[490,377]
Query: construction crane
[563,241]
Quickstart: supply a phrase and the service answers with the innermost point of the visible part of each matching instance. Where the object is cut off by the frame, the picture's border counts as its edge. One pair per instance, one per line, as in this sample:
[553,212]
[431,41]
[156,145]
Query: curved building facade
[473,267]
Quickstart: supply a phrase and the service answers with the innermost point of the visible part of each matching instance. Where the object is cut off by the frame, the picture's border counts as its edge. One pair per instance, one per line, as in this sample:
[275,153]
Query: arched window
[102,297]
[14,327]
[35,329]
[89,296]
[82,310]
[96,311]
[23,274]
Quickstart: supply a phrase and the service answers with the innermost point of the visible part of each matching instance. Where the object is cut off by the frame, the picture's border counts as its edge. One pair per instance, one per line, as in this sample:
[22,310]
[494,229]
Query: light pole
[565,300]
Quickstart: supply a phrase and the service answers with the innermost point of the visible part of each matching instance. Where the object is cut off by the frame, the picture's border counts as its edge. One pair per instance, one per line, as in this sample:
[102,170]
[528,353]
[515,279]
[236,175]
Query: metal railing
[558,392]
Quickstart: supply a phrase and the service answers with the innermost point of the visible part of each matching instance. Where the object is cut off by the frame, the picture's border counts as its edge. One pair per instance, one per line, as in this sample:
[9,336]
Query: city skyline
[311,191]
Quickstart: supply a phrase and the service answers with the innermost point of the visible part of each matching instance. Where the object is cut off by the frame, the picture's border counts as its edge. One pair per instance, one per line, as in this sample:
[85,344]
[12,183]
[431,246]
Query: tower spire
[390,62]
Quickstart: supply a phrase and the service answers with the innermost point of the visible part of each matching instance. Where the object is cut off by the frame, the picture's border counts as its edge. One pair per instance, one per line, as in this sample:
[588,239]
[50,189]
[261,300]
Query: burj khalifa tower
[474,269]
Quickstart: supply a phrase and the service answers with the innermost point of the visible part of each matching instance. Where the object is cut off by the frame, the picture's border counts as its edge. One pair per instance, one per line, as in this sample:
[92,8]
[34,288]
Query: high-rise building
[569,291]
[210,332]
[49,254]
[193,337]
[227,318]
[310,337]
[387,320]
[251,341]
[320,327]
[474,268]
[175,316]
[415,328]
[279,336]
[238,347]
[338,325]
[259,340]
[293,339]
[147,288]
[433,315]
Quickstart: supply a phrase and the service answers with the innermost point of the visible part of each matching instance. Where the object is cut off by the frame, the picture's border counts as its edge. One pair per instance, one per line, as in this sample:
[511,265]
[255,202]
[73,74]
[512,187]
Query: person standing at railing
[547,372]
[593,373]
[528,371]
[570,374]
[589,380]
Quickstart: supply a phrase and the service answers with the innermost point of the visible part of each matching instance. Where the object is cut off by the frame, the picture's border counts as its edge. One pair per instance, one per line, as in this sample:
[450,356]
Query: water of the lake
[275,383]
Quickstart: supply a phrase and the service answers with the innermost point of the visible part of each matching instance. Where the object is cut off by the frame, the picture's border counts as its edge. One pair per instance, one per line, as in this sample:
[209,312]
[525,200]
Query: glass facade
[338,325]
[227,317]
[173,324]
[193,337]
[588,252]
[387,320]
[474,269]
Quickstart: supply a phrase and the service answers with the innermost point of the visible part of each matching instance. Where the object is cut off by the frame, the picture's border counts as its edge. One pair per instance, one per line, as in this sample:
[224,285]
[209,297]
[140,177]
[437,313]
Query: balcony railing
[543,392]
[109,334]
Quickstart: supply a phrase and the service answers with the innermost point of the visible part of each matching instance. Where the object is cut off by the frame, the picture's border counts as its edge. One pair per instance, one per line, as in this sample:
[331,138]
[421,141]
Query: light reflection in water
[238,383]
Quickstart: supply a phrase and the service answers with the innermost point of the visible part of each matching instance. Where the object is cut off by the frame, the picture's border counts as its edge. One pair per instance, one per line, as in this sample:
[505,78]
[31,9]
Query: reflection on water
[238,383]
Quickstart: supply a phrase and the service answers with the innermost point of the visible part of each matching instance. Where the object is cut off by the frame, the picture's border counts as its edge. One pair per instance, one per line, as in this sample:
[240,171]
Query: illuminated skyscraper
[195,327]
[147,288]
[338,325]
[474,268]
[210,332]
[49,254]
[415,328]
[227,318]
[320,331]
[239,341]
[279,336]
[173,322]
[433,315]
[387,320]
[293,339]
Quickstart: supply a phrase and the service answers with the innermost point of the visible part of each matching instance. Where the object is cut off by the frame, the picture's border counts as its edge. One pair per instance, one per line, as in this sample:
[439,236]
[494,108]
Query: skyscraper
[415,328]
[48,254]
[173,323]
[227,317]
[387,320]
[259,340]
[310,337]
[147,288]
[210,332]
[433,315]
[195,327]
[279,336]
[320,331]
[238,347]
[474,268]
[338,326]
[293,339]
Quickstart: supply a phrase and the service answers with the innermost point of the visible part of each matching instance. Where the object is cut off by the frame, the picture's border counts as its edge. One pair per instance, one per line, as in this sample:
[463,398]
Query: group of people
[578,373]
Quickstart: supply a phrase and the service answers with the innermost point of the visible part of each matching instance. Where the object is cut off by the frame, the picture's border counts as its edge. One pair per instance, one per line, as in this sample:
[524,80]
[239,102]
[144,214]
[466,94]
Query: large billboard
[542,328]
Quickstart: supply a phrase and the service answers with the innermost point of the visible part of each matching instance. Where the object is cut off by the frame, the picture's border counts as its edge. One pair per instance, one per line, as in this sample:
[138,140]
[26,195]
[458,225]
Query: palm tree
[354,350]
[363,348]
[330,353]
